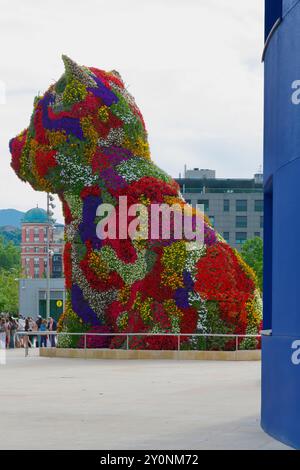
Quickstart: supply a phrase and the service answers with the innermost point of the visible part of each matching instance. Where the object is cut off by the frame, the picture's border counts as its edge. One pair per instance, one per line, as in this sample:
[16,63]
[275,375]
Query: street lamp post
[50,205]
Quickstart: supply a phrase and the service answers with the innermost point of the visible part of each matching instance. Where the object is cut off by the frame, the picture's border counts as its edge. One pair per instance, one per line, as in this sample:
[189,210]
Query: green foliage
[252,253]
[216,325]
[9,256]
[12,234]
[9,298]
[10,269]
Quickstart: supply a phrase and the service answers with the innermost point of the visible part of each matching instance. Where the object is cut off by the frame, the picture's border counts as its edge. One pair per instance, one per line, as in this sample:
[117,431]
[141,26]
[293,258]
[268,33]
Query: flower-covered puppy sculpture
[87,142]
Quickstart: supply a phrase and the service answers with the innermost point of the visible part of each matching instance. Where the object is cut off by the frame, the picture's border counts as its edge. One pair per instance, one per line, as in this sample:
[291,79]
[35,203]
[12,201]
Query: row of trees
[10,269]
[252,253]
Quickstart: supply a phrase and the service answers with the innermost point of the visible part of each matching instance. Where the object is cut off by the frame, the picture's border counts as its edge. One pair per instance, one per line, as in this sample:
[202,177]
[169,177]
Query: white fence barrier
[236,338]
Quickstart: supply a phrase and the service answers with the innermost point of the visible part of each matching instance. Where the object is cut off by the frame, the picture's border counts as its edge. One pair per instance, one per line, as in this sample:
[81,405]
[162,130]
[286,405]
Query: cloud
[193,66]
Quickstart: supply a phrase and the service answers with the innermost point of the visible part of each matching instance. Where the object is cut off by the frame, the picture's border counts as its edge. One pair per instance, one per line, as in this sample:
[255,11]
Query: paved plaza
[55,403]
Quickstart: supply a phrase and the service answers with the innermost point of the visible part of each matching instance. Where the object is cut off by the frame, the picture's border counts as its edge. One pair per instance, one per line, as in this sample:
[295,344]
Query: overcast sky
[193,66]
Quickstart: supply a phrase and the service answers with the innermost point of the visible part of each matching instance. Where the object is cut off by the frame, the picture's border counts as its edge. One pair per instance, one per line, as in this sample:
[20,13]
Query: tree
[9,255]
[10,268]
[9,295]
[252,253]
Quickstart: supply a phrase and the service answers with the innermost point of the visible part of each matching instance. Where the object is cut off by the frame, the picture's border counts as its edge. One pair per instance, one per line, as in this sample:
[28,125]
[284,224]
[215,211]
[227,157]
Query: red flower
[68,264]
[103,76]
[66,210]
[153,189]
[40,133]
[44,161]
[220,278]
[90,191]
[89,106]
[103,128]
[96,342]
[16,148]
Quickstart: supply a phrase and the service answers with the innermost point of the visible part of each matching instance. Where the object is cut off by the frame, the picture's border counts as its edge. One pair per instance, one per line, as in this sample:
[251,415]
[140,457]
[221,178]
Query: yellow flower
[144,200]
[171,279]
[246,268]
[139,147]
[74,92]
[98,265]
[122,321]
[103,113]
[91,136]
[144,307]
[254,309]
[173,260]
[124,295]
[56,138]
[171,309]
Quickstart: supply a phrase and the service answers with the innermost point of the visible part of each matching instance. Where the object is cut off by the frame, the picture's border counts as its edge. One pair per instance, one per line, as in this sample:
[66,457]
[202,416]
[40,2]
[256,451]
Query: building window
[27,234]
[241,205]
[226,236]
[205,203]
[27,249]
[226,205]
[36,249]
[241,221]
[261,221]
[36,262]
[212,220]
[240,237]
[36,272]
[259,205]
[257,234]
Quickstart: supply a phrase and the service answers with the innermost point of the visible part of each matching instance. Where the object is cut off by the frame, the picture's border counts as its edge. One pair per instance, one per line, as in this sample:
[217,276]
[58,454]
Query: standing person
[44,336]
[2,334]
[7,331]
[34,328]
[17,336]
[52,325]
[21,328]
[31,327]
[26,337]
[38,323]
[13,329]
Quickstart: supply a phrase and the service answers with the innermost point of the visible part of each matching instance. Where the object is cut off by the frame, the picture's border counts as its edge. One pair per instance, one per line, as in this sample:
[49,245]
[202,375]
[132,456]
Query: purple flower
[188,281]
[68,124]
[82,308]
[182,298]
[210,237]
[116,154]
[87,228]
[107,96]
[112,179]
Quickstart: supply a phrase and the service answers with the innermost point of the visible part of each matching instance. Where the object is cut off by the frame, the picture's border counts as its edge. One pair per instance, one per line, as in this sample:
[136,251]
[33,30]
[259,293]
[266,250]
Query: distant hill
[11,217]
[11,234]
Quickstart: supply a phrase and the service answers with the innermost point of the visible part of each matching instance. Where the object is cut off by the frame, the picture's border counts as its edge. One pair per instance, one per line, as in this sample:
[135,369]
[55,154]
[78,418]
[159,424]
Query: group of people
[12,332]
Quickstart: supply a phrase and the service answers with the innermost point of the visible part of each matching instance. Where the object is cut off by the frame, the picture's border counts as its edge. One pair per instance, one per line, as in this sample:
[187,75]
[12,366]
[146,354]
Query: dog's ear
[74,71]
[116,74]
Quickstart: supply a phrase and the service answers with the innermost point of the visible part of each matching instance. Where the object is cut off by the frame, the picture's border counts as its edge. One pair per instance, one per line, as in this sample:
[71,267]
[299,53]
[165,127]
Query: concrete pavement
[56,403]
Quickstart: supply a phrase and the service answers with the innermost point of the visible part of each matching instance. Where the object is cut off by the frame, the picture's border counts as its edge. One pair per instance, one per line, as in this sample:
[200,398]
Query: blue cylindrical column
[281,350]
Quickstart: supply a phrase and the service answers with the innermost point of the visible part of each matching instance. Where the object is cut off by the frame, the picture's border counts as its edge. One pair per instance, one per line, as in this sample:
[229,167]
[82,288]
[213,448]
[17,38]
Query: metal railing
[235,337]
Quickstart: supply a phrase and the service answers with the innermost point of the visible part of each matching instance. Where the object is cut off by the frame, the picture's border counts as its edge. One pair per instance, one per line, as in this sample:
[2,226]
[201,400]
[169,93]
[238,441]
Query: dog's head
[86,112]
